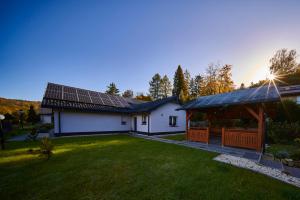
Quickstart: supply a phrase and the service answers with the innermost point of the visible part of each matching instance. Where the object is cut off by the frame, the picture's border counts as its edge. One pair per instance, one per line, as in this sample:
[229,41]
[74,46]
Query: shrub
[33,134]
[46,147]
[281,155]
[283,132]
[296,155]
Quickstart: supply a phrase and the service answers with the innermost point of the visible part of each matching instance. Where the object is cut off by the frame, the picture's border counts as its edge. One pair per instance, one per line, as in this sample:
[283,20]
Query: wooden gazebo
[246,103]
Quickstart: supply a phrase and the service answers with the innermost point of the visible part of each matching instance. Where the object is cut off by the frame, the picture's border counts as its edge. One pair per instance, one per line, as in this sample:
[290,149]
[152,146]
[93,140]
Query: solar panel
[70,97]
[61,92]
[84,99]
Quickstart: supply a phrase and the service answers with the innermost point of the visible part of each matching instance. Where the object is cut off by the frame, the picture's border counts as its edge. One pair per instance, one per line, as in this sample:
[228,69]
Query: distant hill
[14,105]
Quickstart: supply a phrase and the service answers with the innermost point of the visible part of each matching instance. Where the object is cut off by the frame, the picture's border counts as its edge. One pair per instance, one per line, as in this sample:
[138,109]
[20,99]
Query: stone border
[251,165]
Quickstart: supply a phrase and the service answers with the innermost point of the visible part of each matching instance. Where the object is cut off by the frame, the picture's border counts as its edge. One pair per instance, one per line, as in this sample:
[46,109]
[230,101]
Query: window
[144,119]
[172,120]
[123,121]
[298,99]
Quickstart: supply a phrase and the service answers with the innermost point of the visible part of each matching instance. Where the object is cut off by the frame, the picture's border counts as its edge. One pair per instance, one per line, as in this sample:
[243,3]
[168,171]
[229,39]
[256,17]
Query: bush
[33,134]
[282,132]
[46,147]
[296,155]
[281,155]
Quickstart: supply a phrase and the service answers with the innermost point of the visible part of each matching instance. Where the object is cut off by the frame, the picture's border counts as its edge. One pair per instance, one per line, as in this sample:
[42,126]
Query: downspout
[148,124]
[59,125]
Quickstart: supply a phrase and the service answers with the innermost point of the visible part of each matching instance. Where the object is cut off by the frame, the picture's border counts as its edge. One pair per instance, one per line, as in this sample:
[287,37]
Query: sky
[88,44]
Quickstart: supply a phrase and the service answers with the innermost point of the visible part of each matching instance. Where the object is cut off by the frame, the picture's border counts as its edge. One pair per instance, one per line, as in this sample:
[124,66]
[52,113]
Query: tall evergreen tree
[155,87]
[112,89]
[165,87]
[187,79]
[32,117]
[128,94]
[180,85]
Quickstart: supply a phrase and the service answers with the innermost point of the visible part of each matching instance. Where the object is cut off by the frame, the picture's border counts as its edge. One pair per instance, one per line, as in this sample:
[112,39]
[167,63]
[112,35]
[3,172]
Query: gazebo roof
[239,97]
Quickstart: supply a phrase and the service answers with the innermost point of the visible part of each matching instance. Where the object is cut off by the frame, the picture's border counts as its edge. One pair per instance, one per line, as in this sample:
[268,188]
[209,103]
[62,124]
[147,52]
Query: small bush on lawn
[46,147]
[33,134]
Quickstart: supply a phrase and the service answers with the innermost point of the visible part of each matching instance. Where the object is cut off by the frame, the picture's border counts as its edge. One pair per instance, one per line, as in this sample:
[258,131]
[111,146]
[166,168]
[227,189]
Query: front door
[134,124]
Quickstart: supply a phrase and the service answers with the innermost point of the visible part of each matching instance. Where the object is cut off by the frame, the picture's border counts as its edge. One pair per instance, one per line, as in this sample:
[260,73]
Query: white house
[78,111]
[46,115]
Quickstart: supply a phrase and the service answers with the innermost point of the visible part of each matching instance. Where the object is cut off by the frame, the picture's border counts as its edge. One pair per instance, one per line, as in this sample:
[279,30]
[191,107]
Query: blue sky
[89,44]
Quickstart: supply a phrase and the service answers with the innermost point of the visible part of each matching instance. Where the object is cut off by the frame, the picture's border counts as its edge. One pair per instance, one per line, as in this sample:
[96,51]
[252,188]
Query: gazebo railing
[240,138]
[198,134]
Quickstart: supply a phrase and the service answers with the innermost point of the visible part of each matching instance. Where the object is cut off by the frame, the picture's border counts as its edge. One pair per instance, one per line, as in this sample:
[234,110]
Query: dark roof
[152,105]
[65,97]
[289,90]
[243,96]
[261,94]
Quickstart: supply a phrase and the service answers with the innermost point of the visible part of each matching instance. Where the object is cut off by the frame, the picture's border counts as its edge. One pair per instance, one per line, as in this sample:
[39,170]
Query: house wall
[72,122]
[140,127]
[159,119]
[293,98]
[46,119]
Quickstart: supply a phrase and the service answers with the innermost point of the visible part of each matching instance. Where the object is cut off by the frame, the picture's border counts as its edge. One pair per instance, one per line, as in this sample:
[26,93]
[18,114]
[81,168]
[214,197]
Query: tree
[211,80]
[165,87]
[143,97]
[196,86]
[155,89]
[225,82]
[32,117]
[128,94]
[242,86]
[179,84]
[187,79]
[284,62]
[112,89]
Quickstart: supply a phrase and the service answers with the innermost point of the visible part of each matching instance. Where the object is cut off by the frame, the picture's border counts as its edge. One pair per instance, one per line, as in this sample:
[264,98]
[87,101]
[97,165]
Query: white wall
[159,119]
[91,122]
[140,127]
[46,119]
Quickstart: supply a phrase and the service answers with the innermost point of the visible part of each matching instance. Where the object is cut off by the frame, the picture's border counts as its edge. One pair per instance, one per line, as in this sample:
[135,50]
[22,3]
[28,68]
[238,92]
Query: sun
[271,77]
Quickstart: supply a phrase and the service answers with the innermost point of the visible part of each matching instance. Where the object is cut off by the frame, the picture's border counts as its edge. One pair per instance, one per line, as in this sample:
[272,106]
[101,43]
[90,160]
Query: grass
[123,167]
[179,137]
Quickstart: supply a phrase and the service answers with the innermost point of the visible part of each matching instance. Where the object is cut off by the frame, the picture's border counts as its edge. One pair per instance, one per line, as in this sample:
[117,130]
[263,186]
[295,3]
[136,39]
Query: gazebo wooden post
[260,127]
[223,136]
[187,124]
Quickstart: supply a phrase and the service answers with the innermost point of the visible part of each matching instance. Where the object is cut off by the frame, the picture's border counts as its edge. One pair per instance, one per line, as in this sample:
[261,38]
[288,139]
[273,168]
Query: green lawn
[179,137]
[123,167]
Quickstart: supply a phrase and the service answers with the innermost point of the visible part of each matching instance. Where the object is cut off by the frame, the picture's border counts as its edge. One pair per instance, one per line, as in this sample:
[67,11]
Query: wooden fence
[198,134]
[240,138]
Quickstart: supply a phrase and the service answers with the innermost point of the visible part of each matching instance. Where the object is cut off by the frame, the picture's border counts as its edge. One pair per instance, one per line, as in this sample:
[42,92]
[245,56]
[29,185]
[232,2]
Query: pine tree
[155,89]
[32,117]
[165,87]
[112,89]
[187,79]
[128,94]
[180,84]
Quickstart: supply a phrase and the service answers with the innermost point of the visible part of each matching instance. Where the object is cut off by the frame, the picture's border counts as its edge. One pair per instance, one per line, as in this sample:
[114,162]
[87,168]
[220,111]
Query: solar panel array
[61,92]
